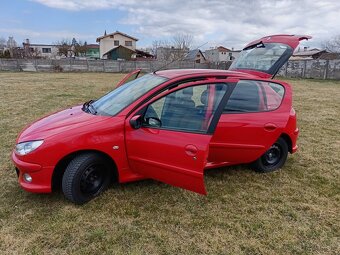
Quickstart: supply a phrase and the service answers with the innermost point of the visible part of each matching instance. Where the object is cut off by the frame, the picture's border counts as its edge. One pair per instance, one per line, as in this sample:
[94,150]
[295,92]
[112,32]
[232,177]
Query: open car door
[129,77]
[168,138]
[265,57]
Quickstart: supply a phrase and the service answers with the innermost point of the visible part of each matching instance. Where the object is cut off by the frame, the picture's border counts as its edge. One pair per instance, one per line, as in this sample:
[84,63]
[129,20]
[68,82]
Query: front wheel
[273,159]
[86,176]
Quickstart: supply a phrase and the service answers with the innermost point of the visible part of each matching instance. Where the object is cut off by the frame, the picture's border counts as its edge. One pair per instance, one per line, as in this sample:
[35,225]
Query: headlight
[27,147]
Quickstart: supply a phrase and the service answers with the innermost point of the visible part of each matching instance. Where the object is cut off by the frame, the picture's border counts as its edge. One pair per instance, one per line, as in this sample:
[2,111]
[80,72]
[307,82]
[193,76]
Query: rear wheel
[86,176]
[273,159]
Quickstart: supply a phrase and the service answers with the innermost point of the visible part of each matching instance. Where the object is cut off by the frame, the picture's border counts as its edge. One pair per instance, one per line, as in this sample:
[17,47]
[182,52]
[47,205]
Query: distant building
[92,51]
[221,54]
[195,56]
[307,54]
[40,50]
[144,55]
[117,45]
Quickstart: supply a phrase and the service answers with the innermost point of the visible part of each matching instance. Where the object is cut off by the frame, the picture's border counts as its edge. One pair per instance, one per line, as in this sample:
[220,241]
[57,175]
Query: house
[120,53]
[117,43]
[221,54]
[196,56]
[92,51]
[218,54]
[40,50]
[307,54]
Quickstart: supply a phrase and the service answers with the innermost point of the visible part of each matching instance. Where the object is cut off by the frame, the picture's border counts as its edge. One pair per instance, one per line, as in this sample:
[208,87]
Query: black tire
[85,177]
[273,159]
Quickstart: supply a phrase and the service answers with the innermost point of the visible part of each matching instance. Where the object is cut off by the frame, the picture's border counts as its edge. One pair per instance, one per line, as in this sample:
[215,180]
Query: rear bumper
[294,149]
[294,137]
[41,176]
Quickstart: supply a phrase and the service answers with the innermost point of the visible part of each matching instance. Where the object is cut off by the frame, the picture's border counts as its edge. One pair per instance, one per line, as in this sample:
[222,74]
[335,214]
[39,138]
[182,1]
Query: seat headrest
[204,97]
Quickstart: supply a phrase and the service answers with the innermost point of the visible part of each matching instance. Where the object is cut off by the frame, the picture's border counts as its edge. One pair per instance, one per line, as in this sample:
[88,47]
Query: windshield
[266,57]
[121,97]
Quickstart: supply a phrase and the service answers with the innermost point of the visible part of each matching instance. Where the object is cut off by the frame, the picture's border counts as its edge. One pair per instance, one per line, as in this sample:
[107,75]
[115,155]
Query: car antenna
[178,59]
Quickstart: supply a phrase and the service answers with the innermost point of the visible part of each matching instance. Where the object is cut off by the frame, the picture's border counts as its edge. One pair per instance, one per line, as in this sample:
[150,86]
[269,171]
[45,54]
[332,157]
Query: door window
[189,109]
[254,96]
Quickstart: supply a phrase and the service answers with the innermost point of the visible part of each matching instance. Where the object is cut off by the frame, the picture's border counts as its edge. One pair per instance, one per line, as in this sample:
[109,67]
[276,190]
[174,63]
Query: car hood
[58,122]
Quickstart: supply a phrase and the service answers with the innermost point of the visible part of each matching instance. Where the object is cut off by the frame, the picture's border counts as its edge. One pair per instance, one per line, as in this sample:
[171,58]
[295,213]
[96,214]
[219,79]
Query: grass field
[291,211]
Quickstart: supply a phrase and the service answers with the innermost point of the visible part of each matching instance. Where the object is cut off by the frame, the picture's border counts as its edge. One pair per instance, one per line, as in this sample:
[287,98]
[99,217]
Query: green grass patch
[291,211]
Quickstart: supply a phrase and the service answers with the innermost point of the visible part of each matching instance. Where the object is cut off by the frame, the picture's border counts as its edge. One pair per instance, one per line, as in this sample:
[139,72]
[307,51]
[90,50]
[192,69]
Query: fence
[320,69]
[73,65]
[317,68]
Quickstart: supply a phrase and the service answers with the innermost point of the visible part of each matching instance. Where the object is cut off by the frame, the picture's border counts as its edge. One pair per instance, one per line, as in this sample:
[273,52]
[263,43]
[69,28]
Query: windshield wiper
[88,107]
[91,108]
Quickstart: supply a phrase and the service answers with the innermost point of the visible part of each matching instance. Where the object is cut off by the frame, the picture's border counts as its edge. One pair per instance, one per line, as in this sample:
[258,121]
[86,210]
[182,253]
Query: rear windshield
[262,57]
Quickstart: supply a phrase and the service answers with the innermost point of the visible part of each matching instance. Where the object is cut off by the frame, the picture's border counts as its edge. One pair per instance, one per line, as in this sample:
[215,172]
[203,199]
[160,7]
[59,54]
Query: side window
[254,96]
[187,109]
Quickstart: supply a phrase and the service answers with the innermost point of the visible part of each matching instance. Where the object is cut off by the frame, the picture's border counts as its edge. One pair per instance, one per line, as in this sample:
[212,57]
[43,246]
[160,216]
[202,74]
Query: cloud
[232,23]
[27,33]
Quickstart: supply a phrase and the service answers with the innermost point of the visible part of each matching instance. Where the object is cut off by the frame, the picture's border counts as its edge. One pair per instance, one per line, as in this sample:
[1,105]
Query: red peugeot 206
[168,125]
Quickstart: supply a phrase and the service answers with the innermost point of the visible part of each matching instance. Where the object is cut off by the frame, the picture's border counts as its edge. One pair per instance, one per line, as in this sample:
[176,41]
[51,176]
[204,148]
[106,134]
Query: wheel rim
[92,179]
[272,156]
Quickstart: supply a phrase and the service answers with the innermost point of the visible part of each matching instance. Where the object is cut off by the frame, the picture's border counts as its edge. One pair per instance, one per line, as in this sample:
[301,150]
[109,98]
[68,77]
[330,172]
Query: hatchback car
[168,125]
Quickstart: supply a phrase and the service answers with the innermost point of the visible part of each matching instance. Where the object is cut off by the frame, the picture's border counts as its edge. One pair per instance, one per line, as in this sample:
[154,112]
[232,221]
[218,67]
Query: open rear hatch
[264,57]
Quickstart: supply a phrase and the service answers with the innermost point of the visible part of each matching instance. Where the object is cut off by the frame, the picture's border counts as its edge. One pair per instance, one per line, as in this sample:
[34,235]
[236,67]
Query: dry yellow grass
[291,211]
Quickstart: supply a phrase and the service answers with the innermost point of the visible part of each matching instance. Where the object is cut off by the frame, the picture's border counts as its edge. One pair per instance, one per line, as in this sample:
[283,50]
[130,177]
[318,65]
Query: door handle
[191,150]
[270,126]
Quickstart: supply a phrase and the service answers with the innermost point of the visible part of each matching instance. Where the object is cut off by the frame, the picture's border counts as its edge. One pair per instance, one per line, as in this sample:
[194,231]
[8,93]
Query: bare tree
[11,43]
[80,48]
[174,49]
[332,44]
[64,46]
[161,49]
[71,48]
[182,41]
[12,46]
[2,42]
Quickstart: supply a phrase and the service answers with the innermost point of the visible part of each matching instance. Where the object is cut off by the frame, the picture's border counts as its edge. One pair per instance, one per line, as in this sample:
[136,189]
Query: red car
[169,126]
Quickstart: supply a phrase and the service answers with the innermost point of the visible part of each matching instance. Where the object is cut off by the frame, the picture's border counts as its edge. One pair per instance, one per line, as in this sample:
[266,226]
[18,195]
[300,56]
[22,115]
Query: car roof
[175,73]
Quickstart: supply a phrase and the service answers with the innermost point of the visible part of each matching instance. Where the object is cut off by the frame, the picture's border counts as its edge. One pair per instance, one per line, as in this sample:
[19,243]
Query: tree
[5,54]
[2,42]
[159,48]
[332,44]
[71,48]
[64,46]
[182,41]
[11,43]
[80,48]
[74,41]
[174,49]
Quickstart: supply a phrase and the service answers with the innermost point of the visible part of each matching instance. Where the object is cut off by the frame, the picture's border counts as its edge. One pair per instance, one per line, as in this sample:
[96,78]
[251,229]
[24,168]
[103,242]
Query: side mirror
[153,122]
[136,121]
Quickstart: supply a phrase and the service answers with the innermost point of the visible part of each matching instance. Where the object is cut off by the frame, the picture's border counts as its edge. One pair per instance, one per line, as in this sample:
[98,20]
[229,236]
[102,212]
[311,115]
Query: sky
[231,23]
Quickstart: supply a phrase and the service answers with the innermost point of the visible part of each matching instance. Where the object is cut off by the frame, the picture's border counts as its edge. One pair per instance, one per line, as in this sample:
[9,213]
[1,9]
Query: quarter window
[254,96]
[187,109]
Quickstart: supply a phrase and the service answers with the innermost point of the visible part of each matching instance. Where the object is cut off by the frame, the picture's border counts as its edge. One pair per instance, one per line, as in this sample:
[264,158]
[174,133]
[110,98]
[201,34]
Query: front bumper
[41,175]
